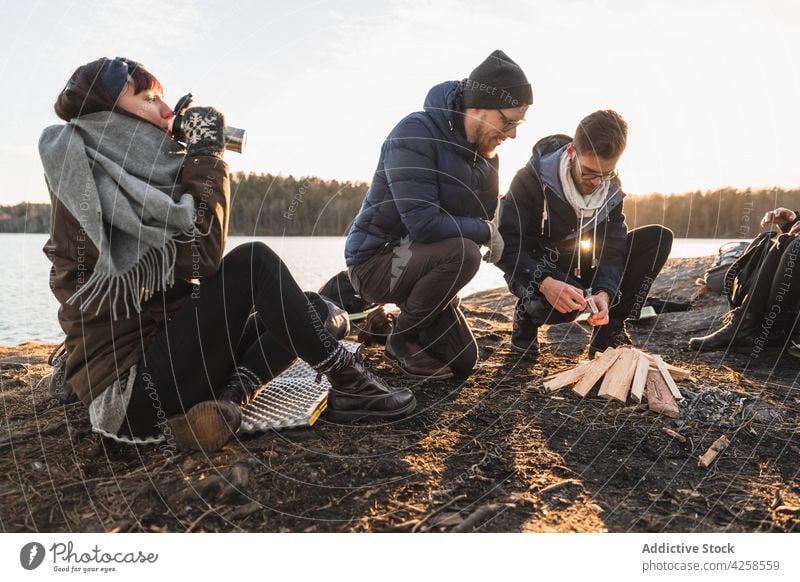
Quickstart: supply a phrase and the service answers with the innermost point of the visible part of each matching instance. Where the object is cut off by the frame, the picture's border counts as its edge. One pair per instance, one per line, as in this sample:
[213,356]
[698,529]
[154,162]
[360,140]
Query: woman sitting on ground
[165,337]
[768,314]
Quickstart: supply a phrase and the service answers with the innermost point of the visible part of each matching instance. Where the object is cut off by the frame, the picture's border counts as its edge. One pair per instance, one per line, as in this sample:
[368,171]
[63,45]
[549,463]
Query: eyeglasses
[591,174]
[508,124]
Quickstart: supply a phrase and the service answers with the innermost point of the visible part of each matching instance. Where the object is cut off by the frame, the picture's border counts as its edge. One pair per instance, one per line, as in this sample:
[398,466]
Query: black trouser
[424,281]
[251,313]
[647,250]
[775,297]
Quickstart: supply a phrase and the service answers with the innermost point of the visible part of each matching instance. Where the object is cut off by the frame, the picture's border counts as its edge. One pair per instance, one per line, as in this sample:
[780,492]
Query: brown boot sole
[207,426]
[396,364]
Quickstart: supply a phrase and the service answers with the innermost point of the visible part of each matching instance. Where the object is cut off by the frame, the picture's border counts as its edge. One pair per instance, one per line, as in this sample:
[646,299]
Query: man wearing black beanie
[430,206]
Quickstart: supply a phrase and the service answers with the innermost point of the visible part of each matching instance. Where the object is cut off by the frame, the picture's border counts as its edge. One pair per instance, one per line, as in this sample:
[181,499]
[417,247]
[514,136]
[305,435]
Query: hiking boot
[209,425]
[357,394]
[206,427]
[524,336]
[613,334]
[738,327]
[406,354]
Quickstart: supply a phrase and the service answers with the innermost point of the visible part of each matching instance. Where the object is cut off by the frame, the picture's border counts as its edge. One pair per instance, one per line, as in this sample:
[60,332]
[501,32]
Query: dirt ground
[496,453]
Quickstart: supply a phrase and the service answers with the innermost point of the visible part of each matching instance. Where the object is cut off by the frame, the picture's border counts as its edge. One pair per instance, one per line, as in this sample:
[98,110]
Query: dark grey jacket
[540,227]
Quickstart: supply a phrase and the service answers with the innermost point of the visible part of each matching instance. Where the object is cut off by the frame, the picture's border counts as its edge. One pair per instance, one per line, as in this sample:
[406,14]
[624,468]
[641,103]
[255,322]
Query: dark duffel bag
[741,276]
[714,276]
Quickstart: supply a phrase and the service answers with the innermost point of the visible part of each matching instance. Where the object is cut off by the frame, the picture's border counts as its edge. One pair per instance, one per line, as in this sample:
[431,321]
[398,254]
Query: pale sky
[710,89]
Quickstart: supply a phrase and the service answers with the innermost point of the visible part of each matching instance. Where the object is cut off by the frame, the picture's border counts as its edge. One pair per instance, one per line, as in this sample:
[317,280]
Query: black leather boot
[738,327]
[613,334]
[241,386]
[524,333]
[357,394]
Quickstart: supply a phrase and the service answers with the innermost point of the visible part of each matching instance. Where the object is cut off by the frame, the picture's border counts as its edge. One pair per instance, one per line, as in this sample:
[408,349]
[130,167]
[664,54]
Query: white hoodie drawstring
[578,244]
[544,212]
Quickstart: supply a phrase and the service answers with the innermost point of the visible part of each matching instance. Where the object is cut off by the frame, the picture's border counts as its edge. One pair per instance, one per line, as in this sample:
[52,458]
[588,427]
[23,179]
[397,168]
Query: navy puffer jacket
[430,184]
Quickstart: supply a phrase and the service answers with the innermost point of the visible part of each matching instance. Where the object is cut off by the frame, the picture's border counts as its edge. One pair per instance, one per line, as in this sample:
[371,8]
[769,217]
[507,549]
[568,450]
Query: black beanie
[497,83]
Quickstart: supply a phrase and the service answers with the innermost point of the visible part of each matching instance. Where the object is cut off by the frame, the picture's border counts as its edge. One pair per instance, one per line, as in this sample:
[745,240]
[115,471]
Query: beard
[488,153]
[487,145]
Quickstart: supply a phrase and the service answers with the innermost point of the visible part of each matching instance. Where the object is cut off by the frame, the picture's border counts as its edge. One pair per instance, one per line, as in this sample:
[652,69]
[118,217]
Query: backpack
[745,270]
[714,277]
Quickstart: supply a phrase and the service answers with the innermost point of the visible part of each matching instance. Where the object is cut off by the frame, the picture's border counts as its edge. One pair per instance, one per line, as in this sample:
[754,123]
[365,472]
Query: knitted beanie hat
[497,83]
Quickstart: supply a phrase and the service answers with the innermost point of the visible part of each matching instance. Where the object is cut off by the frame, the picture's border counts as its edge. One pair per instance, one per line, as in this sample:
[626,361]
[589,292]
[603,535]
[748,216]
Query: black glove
[203,129]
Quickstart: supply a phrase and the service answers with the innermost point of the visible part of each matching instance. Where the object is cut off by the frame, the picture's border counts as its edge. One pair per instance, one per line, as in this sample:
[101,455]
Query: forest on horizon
[270,205]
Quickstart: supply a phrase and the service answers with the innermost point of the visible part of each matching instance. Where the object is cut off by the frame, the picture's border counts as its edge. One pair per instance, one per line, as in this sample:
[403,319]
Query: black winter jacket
[539,226]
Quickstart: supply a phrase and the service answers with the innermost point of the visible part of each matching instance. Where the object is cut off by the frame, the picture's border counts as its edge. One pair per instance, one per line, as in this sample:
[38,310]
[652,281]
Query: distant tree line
[269,205]
[725,213]
[25,217]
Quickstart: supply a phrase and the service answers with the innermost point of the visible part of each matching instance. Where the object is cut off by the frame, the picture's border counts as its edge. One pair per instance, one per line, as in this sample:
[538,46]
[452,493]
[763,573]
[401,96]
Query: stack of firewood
[626,372]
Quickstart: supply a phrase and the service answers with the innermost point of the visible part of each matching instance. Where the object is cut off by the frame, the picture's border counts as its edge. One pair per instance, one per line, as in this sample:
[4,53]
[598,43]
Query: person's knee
[468,256]
[250,255]
[653,236]
[789,244]
[664,235]
[459,253]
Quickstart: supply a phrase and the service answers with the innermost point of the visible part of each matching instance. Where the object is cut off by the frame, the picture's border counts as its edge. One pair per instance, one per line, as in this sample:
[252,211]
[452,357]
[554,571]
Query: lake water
[29,310]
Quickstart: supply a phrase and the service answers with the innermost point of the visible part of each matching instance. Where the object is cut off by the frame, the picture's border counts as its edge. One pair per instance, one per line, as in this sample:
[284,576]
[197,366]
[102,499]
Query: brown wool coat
[100,349]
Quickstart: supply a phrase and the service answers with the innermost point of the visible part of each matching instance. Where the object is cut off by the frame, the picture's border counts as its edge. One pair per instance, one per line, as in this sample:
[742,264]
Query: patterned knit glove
[203,129]
[495,243]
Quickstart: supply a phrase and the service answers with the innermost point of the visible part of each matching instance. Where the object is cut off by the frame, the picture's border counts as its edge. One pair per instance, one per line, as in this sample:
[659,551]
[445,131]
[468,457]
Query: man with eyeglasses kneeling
[416,239]
[567,248]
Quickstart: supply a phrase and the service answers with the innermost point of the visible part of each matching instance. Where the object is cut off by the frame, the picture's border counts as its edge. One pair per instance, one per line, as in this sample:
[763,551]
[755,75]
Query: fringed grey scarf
[118,177]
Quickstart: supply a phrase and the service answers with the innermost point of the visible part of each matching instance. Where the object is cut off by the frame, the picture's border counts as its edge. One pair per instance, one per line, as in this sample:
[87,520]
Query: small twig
[203,515]
[634,408]
[436,511]
[676,435]
[476,517]
[558,485]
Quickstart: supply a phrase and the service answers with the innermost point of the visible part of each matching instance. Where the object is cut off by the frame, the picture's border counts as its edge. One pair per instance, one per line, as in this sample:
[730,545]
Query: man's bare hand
[601,302]
[562,296]
[778,216]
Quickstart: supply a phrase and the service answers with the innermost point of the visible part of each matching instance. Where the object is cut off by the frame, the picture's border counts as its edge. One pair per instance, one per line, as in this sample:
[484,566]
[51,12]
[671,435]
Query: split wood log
[662,366]
[593,374]
[617,381]
[640,376]
[557,374]
[566,378]
[677,373]
[659,398]
[715,449]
